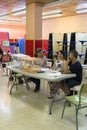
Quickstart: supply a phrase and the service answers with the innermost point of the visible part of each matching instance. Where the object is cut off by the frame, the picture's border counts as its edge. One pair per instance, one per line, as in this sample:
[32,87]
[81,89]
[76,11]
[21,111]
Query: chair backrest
[83,88]
[83,91]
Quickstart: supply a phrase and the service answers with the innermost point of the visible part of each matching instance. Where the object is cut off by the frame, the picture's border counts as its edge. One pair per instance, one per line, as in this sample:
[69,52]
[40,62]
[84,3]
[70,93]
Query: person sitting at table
[58,61]
[41,63]
[54,61]
[72,66]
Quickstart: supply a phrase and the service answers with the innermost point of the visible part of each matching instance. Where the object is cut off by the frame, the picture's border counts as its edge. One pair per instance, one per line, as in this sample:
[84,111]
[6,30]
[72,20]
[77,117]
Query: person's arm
[43,61]
[66,67]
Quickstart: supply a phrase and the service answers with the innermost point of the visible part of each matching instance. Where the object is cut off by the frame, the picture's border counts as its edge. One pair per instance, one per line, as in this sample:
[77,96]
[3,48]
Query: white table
[49,75]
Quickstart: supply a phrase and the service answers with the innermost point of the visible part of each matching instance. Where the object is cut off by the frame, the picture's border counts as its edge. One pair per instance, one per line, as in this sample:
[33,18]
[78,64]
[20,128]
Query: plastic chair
[76,89]
[79,101]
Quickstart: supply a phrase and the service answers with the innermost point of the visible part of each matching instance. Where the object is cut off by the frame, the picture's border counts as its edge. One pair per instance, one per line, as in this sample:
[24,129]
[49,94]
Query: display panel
[5,43]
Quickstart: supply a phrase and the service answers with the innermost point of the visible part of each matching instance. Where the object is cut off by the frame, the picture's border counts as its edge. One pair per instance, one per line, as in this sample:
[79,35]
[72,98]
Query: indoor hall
[25,109]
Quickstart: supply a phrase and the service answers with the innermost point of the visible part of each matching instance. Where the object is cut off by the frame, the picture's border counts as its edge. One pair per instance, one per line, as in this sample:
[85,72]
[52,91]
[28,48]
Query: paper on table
[44,69]
[54,74]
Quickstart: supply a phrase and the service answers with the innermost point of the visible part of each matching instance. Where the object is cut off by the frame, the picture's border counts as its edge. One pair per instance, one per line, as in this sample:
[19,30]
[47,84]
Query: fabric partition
[64,47]
[72,42]
[21,45]
[50,47]
[85,61]
[12,48]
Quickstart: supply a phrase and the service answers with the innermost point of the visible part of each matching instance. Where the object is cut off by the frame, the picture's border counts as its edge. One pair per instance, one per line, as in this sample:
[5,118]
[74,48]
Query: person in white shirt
[41,63]
[58,65]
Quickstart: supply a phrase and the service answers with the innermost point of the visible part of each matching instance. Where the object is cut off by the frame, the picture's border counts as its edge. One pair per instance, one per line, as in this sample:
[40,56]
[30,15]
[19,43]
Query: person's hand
[65,67]
[68,59]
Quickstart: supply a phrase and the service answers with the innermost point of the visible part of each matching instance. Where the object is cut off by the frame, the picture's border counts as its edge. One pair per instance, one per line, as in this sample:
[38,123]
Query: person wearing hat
[39,54]
[41,63]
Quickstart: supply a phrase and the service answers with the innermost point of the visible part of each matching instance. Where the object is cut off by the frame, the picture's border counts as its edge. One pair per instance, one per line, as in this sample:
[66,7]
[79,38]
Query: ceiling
[9,9]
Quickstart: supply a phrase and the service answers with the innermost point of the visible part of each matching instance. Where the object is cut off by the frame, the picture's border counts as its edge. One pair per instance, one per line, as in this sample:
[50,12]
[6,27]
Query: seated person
[42,63]
[58,61]
[72,66]
[54,62]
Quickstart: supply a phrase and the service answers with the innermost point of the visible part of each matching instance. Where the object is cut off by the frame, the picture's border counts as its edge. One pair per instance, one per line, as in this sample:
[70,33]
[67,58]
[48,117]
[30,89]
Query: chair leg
[76,108]
[14,83]
[26,81]
[53,100]
[12,87]
[63,109]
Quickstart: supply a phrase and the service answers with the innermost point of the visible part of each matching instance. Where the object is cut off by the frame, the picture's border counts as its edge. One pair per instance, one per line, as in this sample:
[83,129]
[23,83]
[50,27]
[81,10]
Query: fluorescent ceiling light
[81,11]
[3,14]
[82,8]
[19,9]
[57,11]
[55,3]
[19,13]
[11,19]
[52,14]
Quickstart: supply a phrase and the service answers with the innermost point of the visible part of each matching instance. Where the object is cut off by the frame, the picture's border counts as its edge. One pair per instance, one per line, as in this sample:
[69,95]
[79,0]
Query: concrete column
[33,27]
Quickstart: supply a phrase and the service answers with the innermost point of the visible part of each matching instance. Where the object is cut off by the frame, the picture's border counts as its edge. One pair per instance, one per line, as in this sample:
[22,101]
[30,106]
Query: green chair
[79,101]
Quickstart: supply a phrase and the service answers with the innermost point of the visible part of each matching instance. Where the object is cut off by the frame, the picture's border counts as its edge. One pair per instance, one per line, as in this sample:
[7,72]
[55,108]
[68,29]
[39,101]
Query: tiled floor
[26,110]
